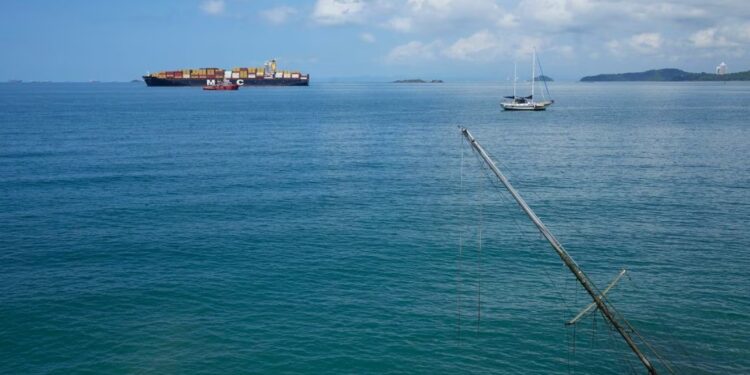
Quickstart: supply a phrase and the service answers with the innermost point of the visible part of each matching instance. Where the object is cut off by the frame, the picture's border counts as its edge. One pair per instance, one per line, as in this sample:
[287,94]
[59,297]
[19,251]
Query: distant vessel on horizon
[267,75]
[527,103]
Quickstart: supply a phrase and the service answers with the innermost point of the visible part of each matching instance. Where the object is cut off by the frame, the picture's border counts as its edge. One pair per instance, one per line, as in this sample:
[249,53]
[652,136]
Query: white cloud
[610,15]
[646,42]
[725,36]
[494,30]
[443,5]
[450,14]
[412,52]
[665,10]
[336,12]
[482,45]
[279,14]
[367,38]
[415,16]
[614,47]
[562,14]
[403,24]
[507,21]
[707,38]
[564,51]
[212,7]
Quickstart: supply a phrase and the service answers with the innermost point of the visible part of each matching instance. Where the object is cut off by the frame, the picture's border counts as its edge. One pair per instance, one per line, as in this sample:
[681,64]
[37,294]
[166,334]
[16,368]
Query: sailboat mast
[515,78]
[566,258]
[533,72]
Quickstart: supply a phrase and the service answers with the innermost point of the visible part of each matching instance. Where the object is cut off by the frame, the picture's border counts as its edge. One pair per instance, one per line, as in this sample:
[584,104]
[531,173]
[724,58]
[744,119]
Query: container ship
[267,75]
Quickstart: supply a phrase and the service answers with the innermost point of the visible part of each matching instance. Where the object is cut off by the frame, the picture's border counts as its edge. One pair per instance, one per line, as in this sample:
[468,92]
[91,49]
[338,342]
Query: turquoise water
[316,230]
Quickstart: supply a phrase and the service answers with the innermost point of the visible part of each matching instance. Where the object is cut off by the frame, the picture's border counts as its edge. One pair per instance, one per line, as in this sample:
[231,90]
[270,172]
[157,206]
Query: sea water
[335,229]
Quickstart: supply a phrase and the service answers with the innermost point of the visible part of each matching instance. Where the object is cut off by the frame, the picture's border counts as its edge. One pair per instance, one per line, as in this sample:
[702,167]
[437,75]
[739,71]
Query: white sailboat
[527,103]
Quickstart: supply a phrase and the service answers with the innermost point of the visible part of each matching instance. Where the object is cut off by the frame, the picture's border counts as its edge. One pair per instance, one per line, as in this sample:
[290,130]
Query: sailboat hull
[526,106]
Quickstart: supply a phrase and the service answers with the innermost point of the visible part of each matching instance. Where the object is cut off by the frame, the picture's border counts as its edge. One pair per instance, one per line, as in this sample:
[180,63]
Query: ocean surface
[335,229]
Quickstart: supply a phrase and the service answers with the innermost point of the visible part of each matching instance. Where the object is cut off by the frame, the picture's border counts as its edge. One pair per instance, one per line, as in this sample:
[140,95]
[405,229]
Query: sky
[459,40]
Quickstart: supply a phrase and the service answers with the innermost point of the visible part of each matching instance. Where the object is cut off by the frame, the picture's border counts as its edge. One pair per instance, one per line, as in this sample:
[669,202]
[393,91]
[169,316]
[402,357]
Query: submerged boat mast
[569,262]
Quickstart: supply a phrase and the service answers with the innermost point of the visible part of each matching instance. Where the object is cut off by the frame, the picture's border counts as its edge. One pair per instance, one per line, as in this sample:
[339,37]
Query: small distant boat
[226,86]
[527,103]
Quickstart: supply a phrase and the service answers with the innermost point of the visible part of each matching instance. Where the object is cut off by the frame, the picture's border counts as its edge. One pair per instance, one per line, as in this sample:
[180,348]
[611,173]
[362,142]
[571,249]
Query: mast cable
[544,78]
[479,253]
[460,241]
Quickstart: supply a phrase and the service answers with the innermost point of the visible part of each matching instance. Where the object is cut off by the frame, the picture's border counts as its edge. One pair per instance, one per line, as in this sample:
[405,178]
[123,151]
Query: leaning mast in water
[566,258]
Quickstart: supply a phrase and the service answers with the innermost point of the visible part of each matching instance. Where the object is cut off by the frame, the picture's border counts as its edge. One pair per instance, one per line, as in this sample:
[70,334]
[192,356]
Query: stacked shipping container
[267,75]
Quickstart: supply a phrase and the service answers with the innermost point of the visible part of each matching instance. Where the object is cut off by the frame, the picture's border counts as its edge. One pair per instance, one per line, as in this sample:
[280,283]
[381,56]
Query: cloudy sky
[370,39]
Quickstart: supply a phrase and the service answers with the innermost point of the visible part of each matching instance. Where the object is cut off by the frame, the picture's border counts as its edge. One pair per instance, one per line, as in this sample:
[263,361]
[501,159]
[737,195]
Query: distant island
[669,75]
[544,78]
[418,81]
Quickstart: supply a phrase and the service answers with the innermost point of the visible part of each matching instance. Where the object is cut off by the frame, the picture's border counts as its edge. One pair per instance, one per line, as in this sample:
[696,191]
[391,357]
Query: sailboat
[527,103]
[632,338]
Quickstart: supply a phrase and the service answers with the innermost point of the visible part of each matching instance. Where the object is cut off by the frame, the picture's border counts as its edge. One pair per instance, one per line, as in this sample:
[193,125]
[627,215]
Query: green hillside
[669,75]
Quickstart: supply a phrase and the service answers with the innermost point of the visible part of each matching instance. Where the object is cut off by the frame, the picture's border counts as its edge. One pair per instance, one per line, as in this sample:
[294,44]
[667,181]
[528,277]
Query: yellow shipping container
[243,74]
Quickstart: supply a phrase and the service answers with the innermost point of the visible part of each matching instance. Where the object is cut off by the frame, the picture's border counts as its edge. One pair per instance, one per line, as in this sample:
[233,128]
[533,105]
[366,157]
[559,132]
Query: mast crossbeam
[586,310]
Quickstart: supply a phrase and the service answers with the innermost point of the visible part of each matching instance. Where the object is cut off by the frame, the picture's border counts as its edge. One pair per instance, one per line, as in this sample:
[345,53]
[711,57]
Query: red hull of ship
[222,87]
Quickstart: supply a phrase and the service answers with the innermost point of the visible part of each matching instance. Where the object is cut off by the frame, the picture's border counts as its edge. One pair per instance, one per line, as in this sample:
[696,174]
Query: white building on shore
[721,69]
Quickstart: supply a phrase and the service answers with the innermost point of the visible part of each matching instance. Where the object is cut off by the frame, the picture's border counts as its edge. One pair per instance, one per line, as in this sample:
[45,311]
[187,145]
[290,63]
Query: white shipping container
[235,75]
[295,75]
[227,74]
[251,76]
[185,75]
[278,75]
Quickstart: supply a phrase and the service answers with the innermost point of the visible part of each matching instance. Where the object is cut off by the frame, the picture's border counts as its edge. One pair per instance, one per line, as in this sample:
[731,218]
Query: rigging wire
[479,253]
[460,240]
[493,182]
[479,249]
[539,62]
[624,358]
[674,341]
[620,317]
[501,189]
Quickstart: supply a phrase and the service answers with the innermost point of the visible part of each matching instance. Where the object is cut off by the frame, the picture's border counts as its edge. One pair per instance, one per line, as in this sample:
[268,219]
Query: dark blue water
[316,230]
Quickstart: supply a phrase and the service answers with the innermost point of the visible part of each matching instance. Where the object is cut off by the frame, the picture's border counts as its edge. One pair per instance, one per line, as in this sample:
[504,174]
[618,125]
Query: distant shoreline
[417,81]
[667,75]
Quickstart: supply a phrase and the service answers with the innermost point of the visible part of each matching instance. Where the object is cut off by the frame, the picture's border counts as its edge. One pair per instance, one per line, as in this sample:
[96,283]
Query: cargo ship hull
[200,82]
